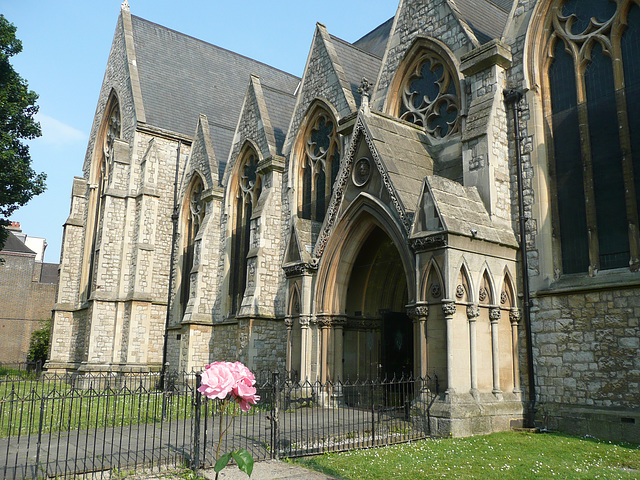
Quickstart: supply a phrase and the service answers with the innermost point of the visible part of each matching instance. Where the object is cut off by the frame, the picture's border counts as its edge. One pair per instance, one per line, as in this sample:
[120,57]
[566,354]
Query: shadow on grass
[312,465]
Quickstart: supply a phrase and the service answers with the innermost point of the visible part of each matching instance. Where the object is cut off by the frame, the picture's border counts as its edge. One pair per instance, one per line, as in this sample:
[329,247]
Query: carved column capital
[449,308]
[339,321]
[494,314]
[288,322]
[473,312]
[324,321]
[514,316]
[417,312]
[303,320]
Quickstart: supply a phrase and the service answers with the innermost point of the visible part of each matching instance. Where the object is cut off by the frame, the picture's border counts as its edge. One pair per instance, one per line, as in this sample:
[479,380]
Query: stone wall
[586,346]
[24,303]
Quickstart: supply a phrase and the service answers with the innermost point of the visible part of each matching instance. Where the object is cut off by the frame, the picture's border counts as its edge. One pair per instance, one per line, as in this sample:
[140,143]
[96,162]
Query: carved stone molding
[341,184]
[473,312]
[361,172]
[339,321]
[364,324]
[503,297]
[449,308]
[421,244]
[460,291]
[295,270]
[418,311]
[365,87]
[494,314]
[324,321]
[514,316]
[483,294]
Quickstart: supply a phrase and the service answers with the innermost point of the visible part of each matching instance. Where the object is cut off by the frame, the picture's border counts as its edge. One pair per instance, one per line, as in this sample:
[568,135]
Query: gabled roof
[357,64]
[15,245]
[487,18]
[375,42]
[403,150]
[280,107]
[182,77]
[49,273]
[462,212]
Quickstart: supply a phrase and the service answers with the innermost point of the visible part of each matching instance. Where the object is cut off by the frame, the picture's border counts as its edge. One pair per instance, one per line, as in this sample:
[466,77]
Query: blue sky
[65,48]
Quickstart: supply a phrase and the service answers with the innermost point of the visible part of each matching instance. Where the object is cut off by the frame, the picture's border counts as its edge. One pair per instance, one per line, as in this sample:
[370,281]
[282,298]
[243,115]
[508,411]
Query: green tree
[39,343]
[18,182]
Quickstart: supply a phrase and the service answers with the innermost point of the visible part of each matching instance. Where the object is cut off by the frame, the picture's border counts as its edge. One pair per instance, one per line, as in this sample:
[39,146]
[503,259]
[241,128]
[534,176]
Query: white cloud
[58,134]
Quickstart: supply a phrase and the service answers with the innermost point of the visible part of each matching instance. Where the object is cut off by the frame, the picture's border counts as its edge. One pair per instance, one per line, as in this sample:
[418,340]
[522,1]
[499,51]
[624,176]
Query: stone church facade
[366,220]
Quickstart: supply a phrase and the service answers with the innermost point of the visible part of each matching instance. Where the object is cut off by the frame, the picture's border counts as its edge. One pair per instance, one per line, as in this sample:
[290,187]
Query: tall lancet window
[319,166]
[593,90]
[101,175]
[193,215]
[247,193]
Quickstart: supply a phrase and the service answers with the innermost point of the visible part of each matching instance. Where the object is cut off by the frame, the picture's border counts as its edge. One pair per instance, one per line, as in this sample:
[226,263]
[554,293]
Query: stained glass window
[429,96]
[248,192]
[320,164]
[595,128]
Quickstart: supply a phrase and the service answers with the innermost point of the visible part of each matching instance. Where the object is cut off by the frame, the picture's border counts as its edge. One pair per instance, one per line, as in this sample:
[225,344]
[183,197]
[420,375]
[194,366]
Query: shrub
[39,343]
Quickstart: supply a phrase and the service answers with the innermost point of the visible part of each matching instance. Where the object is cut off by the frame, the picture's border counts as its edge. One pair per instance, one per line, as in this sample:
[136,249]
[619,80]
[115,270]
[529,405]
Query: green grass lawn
[509,455]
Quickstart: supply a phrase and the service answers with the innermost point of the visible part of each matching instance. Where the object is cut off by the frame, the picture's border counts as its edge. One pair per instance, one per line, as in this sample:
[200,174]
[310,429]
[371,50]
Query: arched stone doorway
[378,335]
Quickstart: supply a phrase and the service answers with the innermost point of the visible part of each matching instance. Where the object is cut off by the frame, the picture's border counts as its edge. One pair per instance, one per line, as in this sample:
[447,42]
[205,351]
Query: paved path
[269,470]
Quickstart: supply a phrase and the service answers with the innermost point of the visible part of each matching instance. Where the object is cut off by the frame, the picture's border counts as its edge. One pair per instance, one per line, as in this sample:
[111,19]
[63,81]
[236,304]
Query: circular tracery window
[429,96]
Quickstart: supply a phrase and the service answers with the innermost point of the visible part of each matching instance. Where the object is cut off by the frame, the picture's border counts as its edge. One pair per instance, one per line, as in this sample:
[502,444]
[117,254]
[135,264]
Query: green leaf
[244,460]
[222,462]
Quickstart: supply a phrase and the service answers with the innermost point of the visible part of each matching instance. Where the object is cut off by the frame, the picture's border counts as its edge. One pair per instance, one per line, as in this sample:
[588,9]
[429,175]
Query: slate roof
[15,245]
[49,273]
[356,64]
[182,77]
[375,41]
[403,151]
[487,18]
[461,211]
[280,108]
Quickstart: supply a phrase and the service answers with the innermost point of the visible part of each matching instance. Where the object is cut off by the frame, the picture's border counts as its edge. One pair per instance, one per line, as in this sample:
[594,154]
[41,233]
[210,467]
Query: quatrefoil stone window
[429,96]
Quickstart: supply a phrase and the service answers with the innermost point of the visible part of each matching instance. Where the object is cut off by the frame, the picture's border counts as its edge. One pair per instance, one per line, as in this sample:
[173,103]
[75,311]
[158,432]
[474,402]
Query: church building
[454,196]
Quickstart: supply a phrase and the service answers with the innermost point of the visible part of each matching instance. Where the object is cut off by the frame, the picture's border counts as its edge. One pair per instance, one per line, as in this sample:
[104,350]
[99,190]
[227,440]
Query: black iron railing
[59,425]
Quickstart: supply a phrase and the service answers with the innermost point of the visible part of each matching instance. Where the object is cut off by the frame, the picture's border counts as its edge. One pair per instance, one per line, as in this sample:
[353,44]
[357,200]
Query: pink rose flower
[221,379]
[217,381]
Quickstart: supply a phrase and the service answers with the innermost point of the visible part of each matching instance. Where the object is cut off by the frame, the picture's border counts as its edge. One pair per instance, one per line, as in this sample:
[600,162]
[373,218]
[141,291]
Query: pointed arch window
[193,214]
[319,166]
[593,91]
[248,189]
[101,175]
[427,92]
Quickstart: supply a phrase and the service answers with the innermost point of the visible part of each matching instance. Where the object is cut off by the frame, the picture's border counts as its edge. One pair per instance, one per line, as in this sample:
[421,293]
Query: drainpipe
[174,234]
[512,97]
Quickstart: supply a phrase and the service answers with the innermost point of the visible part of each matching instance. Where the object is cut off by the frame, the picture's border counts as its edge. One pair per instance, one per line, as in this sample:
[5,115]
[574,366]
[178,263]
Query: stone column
[325,324]
[473,312]
[494,317]
[449,310]
[305,354]
[514,316]
[289,323]
[338,324]
[419,314]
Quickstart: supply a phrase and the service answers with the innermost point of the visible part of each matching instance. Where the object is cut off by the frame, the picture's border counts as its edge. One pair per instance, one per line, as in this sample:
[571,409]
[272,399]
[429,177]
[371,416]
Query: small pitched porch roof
[462,212]
[403,149]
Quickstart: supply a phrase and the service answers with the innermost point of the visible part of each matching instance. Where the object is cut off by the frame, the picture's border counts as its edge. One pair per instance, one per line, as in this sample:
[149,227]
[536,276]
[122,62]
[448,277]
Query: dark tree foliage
[18,182]
[39,343]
